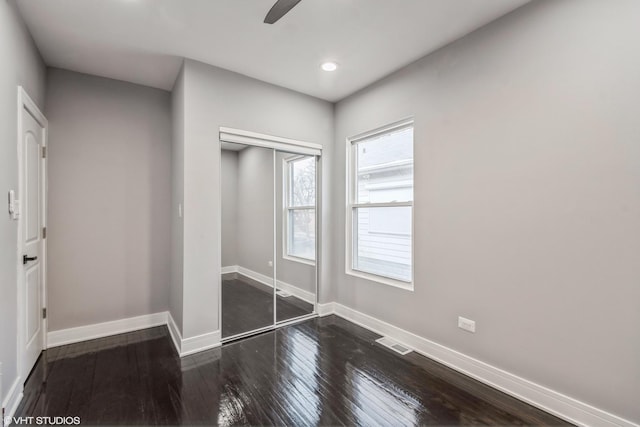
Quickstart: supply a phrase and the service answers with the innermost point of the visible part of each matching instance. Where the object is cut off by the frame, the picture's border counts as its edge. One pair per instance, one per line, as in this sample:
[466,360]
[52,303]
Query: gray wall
[177,197]
[527,197]
[21,65]
[229,177]
[214,98]
[109,199]
[255,210]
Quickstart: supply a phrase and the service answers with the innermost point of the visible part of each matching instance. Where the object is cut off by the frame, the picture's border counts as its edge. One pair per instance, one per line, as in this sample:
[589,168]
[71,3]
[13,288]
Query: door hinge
[44,232]
[44,152]
[44,313]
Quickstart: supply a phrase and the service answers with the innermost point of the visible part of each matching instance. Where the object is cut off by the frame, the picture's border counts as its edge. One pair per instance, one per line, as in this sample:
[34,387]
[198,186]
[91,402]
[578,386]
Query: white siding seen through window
[300,208]
[381,205]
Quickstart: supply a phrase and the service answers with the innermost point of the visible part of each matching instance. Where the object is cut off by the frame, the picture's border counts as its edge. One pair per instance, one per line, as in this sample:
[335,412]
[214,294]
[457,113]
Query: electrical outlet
[270,263]
[466,324]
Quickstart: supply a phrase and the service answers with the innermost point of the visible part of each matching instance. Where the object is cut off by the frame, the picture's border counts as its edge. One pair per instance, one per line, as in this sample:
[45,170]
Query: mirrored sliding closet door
[269,211]
[247,238]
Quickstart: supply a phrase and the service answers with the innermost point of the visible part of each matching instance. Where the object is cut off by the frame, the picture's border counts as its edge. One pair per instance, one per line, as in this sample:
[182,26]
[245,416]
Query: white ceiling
[143,41]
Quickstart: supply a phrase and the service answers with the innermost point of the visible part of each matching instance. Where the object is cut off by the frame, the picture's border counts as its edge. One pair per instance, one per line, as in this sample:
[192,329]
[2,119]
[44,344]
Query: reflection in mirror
[295,235]
[247,238]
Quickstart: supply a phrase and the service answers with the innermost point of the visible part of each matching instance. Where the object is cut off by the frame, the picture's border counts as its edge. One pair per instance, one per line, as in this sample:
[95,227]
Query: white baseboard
[268,281]
[537,395]
[13,398]
[229,269]
[184,346]
[174,332]
[305,296]
[200,343]
[100,330]
[258,277]
[191,345]
[326,309]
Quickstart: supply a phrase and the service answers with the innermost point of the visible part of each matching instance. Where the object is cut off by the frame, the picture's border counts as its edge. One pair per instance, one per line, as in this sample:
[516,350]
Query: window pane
[382,241]
[384,167]
[302,233]
[302,182]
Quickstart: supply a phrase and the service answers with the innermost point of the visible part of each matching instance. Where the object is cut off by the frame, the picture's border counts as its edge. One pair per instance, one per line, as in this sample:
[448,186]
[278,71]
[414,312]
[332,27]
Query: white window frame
[352,205]
[286,164]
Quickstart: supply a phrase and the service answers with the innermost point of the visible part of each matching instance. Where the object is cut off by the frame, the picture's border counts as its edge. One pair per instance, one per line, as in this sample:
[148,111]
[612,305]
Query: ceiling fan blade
[281,8]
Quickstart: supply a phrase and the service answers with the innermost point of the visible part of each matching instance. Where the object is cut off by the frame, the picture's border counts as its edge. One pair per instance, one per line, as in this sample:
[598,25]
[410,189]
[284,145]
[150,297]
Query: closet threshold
[256,332]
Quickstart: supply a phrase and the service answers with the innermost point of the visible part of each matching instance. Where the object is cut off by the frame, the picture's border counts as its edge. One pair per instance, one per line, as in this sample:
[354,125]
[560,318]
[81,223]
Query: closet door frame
[277,144]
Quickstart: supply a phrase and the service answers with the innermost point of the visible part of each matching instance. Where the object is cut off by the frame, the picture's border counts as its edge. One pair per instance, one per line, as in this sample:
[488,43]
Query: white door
[32,143]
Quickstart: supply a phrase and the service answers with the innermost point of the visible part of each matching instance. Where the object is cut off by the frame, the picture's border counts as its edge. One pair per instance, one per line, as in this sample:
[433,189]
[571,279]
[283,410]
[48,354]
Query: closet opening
[269,222]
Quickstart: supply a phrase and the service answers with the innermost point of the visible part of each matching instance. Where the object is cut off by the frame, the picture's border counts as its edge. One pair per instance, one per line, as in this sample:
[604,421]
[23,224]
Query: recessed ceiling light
[329,66]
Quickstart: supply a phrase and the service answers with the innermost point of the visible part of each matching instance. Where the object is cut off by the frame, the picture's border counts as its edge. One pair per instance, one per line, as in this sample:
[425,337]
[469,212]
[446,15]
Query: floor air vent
[283,294]
[393,345]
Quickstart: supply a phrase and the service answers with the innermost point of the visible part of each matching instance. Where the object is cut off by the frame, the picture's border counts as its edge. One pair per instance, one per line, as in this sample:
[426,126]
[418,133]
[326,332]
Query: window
[379,215]
[300,208]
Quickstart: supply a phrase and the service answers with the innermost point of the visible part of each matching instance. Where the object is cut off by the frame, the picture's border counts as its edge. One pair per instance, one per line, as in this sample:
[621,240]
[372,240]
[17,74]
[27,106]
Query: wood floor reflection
[247,305]
[320,372]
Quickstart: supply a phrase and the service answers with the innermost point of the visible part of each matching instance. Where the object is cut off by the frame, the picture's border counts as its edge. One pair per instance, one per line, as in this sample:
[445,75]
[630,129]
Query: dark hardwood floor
[248,305]
[319,372]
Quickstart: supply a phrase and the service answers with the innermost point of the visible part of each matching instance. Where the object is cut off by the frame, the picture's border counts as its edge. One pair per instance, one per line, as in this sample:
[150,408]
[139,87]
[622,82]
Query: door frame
[25,102]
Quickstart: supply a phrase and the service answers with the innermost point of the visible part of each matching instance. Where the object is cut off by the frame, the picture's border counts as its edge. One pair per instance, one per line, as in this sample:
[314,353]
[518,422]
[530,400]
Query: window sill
[407,286]
[299,260]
